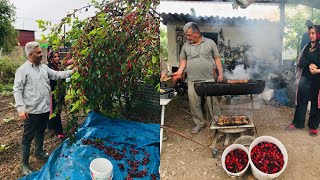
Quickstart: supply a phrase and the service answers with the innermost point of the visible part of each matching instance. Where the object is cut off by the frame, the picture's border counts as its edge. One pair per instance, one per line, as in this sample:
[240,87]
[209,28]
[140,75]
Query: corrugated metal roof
[257,1]
[310,3]
[215,20]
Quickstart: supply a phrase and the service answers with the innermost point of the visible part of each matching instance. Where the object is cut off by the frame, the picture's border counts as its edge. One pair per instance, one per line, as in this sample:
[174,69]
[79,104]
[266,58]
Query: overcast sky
[28,11]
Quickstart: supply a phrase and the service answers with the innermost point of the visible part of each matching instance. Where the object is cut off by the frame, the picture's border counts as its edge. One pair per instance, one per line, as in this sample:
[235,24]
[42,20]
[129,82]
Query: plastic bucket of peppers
[268,157]
[235,160]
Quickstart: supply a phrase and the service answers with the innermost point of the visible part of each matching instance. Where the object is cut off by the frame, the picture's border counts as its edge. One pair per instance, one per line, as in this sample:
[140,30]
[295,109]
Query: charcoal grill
[209,88]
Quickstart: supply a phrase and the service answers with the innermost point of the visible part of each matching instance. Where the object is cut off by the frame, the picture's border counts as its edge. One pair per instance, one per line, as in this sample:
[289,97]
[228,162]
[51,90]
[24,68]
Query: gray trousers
[195,105]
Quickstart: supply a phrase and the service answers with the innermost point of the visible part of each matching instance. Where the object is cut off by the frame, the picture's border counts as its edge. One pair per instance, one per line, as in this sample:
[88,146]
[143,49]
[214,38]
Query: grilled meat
[235,81]
[232,120]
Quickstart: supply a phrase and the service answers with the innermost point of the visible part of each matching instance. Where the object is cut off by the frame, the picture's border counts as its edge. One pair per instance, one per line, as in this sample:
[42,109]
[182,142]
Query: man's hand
[220,78]
[23,116]
[176,76]
[74,70]
[163,76]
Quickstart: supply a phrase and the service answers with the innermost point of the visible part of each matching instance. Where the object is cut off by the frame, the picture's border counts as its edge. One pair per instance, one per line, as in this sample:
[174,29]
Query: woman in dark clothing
[308,84]
[55,122]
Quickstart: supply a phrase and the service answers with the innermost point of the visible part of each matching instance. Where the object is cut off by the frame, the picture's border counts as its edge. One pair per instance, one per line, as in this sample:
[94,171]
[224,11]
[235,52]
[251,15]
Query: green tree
[296,16]
[163,43]
[8,34]
[315,15]
[294,26]
[116,52]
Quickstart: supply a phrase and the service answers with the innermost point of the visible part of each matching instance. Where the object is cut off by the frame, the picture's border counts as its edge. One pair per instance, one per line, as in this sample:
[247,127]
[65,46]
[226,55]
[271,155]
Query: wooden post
[184,136]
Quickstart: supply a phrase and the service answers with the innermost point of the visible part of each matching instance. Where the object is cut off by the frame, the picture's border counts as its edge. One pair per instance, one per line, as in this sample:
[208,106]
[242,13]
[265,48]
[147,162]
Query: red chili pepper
[236,160]
[267,157]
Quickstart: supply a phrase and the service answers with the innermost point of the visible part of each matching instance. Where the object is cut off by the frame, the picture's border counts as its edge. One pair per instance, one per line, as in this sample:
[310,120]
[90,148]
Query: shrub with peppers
[115,51]
[267,157]
[236,160]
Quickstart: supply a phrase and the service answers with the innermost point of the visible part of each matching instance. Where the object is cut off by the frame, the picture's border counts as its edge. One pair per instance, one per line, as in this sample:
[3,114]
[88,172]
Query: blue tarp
[280,96]
[72,162]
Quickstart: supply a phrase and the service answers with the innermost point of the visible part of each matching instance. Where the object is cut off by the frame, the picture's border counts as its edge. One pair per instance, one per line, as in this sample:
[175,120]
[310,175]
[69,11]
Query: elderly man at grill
[200,57]
[32,96]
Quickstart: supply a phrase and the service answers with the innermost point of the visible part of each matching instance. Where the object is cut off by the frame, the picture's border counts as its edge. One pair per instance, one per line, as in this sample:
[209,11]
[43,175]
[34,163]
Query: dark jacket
[55,67]
[310,58]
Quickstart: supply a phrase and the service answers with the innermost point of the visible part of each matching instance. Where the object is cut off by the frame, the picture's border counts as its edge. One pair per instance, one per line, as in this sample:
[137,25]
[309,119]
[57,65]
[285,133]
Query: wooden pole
[187,112]
[184,136]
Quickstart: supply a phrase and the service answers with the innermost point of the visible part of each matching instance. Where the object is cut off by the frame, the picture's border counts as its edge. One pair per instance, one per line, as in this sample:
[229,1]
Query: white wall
[264,37]
[172,46]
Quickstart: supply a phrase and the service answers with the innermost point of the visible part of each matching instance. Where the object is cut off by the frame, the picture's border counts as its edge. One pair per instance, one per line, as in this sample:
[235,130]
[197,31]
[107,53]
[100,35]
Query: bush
[6,87]
[8,68]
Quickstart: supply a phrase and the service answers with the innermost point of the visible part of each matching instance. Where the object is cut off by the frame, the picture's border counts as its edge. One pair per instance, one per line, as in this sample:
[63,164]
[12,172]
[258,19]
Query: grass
[6,89]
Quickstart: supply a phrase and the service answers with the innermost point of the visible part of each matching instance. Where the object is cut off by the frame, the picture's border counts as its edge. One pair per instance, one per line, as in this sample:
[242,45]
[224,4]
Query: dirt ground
[10,135]
[183,159]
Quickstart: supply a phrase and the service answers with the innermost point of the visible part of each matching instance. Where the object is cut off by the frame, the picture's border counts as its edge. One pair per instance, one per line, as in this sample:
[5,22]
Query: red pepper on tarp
[121,155]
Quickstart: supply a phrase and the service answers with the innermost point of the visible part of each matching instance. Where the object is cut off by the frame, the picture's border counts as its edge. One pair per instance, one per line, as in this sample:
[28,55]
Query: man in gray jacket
[200,57]
[32,96]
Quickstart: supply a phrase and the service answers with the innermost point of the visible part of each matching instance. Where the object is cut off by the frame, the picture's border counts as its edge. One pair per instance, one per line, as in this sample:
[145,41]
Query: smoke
[238,73]
[261,56]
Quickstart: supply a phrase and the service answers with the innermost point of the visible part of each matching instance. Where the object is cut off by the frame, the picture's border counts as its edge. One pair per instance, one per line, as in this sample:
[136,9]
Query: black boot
[40,154]
[25,152]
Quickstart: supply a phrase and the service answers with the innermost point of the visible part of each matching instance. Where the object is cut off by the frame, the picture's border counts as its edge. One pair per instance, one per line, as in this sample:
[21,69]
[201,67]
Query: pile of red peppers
[236,160]
[267,157]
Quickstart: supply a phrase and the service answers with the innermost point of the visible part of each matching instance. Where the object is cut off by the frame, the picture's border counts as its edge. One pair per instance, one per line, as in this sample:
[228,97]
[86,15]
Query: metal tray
[166,90]
[168,94]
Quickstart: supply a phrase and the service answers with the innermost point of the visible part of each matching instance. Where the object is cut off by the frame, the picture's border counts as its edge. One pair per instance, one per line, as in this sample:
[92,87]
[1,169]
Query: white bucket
[255,171]
[101,169]
[225,153]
